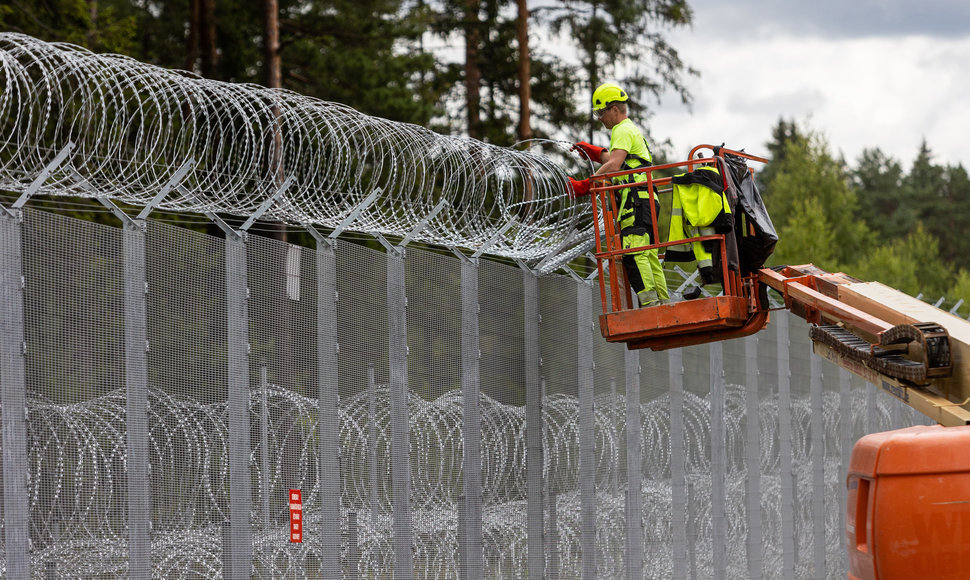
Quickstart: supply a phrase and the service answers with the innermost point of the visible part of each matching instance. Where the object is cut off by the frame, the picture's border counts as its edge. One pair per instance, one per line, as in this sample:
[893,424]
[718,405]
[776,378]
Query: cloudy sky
[864,73]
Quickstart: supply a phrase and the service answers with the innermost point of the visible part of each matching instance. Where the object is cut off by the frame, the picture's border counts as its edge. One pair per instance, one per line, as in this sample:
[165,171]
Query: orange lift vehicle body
[908,490]
[908,508]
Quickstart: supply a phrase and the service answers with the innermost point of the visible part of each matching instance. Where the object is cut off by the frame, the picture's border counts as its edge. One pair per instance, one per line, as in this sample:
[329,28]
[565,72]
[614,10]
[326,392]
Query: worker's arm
[613,163]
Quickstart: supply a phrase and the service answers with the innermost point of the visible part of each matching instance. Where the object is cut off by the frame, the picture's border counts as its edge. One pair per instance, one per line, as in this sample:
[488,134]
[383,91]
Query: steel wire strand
[133,126]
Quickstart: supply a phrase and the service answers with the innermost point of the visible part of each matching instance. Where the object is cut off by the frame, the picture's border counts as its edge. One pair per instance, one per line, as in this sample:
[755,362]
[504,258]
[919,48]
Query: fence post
[264,443]
[328,399]
[353,551]
[533,426]
[471,549]
[13,347]
[818,466]
[400,459]
[755,549]
[846,430]
[634,468]
[587,442]
[240,481]
[718,461]
[136,379]
[372,448]
[552,536]
[678,465]
[786,475]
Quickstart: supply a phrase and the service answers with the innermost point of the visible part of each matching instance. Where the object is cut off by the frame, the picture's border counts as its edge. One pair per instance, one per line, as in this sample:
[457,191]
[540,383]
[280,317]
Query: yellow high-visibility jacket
[699,208]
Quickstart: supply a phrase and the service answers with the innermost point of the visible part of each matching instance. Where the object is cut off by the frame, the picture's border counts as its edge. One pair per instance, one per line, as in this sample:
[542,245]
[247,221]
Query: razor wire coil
[131,127]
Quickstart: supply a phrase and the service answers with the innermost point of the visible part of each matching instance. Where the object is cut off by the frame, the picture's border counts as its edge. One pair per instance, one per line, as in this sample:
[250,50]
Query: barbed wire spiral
[77,472]
[133,126]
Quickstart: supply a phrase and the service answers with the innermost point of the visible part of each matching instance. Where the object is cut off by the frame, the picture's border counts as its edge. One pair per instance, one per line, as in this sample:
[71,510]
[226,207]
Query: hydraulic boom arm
[890,339]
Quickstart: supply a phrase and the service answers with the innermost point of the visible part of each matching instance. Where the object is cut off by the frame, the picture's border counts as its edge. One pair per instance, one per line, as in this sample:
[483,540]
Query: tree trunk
[274,80]
[473,74]
[192,41]
[525,72]
[207,38]
[271,45]
[92,34]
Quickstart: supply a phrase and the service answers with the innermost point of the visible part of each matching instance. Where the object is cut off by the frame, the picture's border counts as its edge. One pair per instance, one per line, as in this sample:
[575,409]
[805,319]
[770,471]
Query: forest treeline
[870,218]
[495,71]
[492,70]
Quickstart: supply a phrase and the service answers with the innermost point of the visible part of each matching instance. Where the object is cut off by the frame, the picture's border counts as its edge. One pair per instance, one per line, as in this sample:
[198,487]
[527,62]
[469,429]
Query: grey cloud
[796,102]
[837,19]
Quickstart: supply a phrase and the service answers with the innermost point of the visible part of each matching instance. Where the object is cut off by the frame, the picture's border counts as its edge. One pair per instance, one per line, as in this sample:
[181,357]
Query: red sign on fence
[296,516]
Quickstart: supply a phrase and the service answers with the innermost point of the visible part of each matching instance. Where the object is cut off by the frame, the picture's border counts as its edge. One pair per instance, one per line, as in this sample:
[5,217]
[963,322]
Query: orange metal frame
[733,314]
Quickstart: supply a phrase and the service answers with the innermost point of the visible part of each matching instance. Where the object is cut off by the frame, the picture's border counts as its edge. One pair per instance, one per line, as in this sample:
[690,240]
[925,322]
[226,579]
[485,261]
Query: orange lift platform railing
[734,313]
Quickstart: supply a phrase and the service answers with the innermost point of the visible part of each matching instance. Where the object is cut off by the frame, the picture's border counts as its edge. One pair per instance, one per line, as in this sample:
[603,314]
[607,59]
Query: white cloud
[886,92]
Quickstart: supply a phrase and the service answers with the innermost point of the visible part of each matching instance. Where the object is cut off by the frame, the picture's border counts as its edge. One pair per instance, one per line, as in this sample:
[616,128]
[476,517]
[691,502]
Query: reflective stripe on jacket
[698,206]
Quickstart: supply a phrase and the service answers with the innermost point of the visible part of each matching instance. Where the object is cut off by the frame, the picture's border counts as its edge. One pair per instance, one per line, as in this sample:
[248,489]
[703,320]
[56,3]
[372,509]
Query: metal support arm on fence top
[525,267]
[38,182]
[44,174]
[572,274]
[139,220]
[391,248]
[322,241]
[126,219]
[267,203]
[355,213]
[173,182]
[491,241]
[226,228]
[423,223]
[459,254]
[554,254]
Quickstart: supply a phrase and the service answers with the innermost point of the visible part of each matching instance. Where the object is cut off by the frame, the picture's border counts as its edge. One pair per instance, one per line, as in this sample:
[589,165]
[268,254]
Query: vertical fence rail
[634,468]
[471,555]
[786,476]
[587,451]
[400,455]
[16,531]
[533,428]
[845,447]
[240,480]
[136,379]
[754,546]
[718,461]
[818,467]
[328,419]
[678,466]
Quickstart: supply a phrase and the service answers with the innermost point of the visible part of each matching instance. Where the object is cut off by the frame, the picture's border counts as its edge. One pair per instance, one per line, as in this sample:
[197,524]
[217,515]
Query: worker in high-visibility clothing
[628,150]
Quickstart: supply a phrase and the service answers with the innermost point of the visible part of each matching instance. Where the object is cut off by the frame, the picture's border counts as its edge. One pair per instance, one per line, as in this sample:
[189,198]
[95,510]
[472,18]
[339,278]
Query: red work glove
[591,152]
[578,188]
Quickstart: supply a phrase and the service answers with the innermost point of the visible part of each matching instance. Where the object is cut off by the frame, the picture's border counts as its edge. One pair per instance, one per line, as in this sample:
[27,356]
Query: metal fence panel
[441,417]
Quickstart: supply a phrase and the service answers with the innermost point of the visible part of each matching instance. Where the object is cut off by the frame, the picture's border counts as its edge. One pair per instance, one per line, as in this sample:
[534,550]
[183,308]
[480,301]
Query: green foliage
[960,288]
[812,204]
[810,238]
[910,264]
[882,200]
[622,40]
[366,54]
[107,25]
[874,221]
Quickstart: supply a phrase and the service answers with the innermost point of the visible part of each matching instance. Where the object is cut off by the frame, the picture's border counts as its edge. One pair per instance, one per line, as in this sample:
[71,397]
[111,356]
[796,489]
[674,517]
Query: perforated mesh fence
[163,391]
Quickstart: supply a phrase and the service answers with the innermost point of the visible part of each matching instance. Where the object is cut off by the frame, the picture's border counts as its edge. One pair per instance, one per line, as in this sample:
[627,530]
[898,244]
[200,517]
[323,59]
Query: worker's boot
[648,298]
